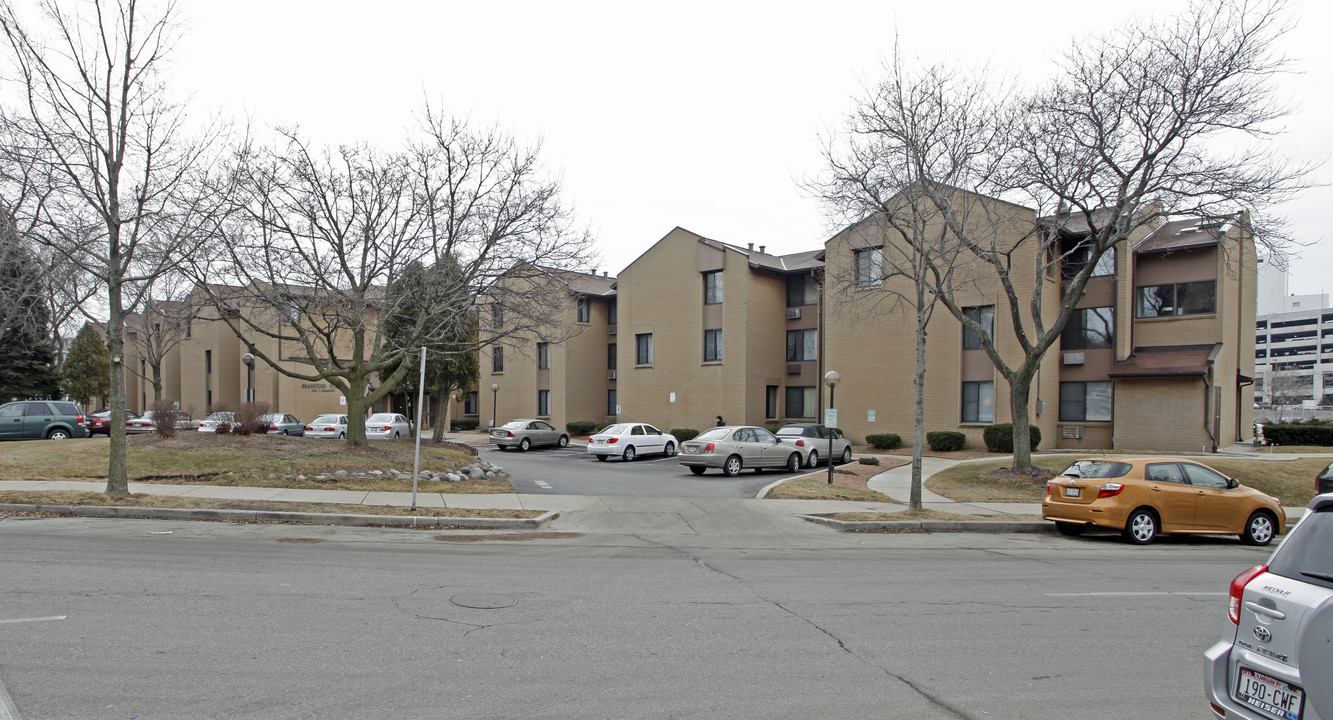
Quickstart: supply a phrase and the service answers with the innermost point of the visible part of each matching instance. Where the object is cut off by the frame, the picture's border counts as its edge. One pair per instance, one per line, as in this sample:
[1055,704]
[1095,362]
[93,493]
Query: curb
[949,526]
[280,516]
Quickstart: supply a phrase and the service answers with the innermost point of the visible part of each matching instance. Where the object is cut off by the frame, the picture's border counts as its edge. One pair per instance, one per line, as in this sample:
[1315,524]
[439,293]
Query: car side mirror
[1232,483]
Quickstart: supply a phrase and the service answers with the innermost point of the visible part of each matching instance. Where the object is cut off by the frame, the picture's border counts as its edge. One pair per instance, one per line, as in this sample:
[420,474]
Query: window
[612,313]
[543,403]
[611,402]
[979,401]
[1085,401]
[1077,259]
[497,359]
[470,403]
[712,346]
[802,290]
[1194,298]
[543,356]
[208,362]
[1089,328]
[771,401]
[1203,477]
[585,310]
[610,356]
[713,287]
[497,316]
[802,345]
[869,267]
[1164,472]
[983,315]
[802,402]
[643,349]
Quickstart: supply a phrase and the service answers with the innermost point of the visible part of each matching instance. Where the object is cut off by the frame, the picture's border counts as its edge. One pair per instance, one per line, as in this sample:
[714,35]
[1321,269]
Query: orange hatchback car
[1145,497]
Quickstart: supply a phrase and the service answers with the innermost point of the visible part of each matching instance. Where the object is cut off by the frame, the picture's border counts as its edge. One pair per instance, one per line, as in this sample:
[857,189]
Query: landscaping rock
[453,478]
[340,473]
[476,473]
[489,475]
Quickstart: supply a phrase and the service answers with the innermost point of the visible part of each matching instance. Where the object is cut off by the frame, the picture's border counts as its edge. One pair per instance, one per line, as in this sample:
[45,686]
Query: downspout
[1208,409]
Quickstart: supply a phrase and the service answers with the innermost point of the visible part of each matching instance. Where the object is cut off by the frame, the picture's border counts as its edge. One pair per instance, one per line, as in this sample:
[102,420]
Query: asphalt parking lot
[572,471]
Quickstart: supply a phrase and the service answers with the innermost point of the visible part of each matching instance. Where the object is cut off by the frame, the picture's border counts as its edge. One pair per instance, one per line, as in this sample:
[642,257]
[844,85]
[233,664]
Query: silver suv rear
[1275,659]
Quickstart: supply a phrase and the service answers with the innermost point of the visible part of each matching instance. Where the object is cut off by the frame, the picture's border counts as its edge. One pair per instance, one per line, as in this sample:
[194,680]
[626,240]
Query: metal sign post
[416,461]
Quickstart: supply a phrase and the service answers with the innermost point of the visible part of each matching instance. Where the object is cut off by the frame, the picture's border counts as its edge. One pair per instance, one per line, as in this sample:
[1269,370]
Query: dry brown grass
[849,483]
[73,497]
[922,515]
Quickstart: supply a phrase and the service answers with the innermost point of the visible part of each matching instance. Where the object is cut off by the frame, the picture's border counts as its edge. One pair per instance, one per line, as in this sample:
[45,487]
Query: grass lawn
[203,458]
[73,497]
[922,515]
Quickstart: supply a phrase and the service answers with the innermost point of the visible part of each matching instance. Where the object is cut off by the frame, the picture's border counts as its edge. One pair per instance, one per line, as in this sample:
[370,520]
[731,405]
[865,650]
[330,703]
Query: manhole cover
[483,601]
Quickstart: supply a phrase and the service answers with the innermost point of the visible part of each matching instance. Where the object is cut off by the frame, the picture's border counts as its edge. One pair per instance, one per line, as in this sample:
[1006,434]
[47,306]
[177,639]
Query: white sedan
[327,426]
[388,426]
[630,440]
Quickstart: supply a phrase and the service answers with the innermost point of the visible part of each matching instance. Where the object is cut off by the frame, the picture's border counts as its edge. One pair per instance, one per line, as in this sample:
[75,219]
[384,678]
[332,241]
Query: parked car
[146,423]
[101,422]
[210,424]
[813,441]
[1274,658]
[282,424]
[524,434]
[1145,497]
[36,419]
[1323,483]
[733,448]
[388,426]
[327,426]
[630,440]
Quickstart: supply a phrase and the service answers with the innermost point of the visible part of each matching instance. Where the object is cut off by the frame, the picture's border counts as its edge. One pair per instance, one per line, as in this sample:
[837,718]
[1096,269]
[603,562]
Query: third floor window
[713,287]
[1192,298]
[1089,328]
[802,345]
[983,315]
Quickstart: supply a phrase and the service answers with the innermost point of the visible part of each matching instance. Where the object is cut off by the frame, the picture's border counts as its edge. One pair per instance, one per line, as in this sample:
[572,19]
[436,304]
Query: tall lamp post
[249,360]
[831,378]
[495,389]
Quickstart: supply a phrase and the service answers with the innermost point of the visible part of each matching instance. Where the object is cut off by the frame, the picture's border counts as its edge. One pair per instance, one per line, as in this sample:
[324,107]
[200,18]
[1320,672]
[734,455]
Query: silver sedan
[732,449]
[327,426]
[813,440]
[524,434]
[388,426]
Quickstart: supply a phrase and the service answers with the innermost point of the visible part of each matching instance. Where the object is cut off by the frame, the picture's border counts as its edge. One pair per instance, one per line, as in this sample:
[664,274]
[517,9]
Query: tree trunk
[356,410]
[1020,387]
[117,475]
[919,406]
[157,383]
[441,413]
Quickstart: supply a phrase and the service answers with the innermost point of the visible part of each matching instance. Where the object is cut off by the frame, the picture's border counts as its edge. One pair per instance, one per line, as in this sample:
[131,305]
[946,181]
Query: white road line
[542,483]
[23,620]
[1129,594]
[7,709]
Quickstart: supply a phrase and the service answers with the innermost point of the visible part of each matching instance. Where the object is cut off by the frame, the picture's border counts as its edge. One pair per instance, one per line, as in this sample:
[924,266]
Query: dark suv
[35,419]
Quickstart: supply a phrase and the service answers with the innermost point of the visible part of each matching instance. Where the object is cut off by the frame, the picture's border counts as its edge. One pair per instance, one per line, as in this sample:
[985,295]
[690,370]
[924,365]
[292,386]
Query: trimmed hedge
[884,441]
[580,427]
[1302,434]
[946,440]
[1000,438]
[462,425]
[683,434]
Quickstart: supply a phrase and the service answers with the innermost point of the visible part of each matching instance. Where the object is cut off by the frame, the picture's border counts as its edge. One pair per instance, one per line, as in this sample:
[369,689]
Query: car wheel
[396,435]
[600,458]
[1070,529]
[697,470]
[813,460]
[342,436]
[793,462]
[1141,528]
[1259,529]
[846,455]
[563,441]
[670,450]
[732,467]
[523,445]
[58,434]
[629,454]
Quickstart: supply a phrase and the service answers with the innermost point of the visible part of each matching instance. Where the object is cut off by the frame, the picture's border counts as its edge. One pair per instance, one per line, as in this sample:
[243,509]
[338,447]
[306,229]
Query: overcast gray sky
[702,114]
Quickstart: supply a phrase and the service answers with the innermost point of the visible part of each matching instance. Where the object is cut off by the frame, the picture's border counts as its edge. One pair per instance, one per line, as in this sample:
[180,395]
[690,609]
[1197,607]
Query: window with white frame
[543,403]
[543,356]
[869,267]
[643,349]
[497,359]
[983,315]
[585,310]
[979,401]
[713,346]
[713,287]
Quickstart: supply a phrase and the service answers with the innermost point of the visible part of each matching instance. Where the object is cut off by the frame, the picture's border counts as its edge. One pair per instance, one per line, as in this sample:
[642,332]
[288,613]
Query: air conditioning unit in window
[1071,432]
[793,313]
[610,374]
[1073,358]
[610,329]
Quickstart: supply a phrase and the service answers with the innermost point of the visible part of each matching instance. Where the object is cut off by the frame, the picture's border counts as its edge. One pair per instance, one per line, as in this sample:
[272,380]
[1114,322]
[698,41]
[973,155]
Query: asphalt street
[135,620]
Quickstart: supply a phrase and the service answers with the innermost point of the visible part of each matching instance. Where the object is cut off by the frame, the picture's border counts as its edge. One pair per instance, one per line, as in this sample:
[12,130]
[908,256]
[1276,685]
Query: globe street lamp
[831,378]
[494,390]
[249,360]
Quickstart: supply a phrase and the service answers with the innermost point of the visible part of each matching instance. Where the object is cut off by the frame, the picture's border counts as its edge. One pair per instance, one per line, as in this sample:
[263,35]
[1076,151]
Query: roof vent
[751,246]
[762,249]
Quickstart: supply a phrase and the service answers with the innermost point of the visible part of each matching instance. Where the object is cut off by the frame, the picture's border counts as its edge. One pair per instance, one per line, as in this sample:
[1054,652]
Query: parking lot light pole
[495,389]
[831,378]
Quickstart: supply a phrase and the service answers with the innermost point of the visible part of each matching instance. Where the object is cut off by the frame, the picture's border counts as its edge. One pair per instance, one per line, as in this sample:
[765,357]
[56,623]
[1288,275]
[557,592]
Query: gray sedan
[732,449]
[283,424]
[524,434]
[813,439]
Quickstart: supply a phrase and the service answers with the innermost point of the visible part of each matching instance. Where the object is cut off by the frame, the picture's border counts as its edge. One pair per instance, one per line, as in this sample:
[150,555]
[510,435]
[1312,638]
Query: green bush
[1000,438]
[683,434]
[884,441]
[580,427]
[1299,434]
[462,425]
[946,440]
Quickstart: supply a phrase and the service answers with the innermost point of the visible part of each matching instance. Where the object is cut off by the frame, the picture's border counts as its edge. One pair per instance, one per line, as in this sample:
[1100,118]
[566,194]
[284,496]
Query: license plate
[1071,492]
[687,450]
[1270,696]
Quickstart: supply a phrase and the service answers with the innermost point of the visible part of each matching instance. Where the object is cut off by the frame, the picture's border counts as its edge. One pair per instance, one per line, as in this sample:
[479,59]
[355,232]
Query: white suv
[1275,659]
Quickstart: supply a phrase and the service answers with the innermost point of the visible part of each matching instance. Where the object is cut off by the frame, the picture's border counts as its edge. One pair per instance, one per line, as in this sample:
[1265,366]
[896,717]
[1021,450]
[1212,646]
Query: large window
[585,310]
[983,315]
[713,287]
[1194,298]
[770,401]
[802,402]
[611,402]
[802,290]
[1085,401]
[712,346]
[1078,258]
[979,401]
[610,356]
[470,403]
[1089,328]
[612,313]
[543,356]
[869,267]
[497,359]
[497,316]
[643,349]
[802,345]
[543,403]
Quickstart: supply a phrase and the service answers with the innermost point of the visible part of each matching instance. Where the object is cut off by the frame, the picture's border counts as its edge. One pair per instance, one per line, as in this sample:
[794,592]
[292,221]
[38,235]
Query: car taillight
[387,428]
[329,429]
[1238,589]
[80,421]
[612,441]
[271,428]
[1048,487]
[800,443]
[509,434]
[708,447]
[307,427]
[1110,489]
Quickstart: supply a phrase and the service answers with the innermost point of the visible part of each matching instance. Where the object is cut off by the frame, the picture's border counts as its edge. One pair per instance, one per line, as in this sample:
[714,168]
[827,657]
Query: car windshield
[1305,556]
[714,434]
[1096,469]
[326,420]
[792,431]
[381,418]
[515,424]
[613,430]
